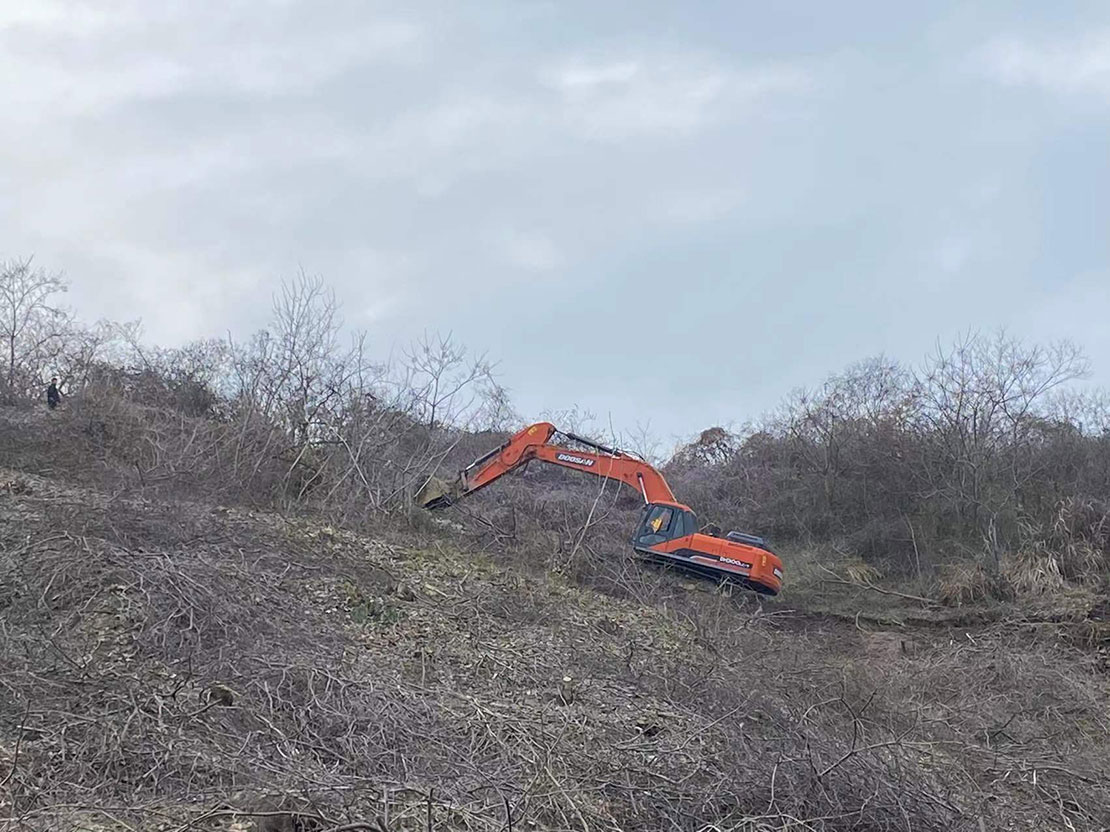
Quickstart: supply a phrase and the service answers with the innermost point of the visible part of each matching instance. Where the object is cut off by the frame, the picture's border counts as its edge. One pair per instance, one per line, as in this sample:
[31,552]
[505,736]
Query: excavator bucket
[436,493]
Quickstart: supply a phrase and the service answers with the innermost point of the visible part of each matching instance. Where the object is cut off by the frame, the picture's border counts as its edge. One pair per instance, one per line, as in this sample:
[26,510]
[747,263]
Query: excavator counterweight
[668,531]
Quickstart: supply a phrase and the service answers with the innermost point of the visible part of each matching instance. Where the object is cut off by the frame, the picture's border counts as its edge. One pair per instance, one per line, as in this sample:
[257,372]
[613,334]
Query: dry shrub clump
[963,584]
[1080,534]
[863,573]
[1034,572]
[1072,549]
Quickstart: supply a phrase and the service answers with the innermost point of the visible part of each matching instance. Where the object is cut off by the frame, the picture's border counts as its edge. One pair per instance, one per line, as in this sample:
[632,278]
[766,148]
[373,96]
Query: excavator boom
[668,531]
[534,443]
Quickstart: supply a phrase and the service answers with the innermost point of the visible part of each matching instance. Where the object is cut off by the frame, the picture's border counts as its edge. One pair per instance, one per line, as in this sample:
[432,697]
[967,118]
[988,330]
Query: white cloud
[531,251]
[953,254]
[59,16]
[1080,65]
[617,99]
[576,75]
[76,61]
[696,206]
[178,294]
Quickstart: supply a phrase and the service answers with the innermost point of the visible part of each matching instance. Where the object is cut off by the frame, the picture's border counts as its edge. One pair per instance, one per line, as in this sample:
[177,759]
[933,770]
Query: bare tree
[303,349]
[982,400]
[713,446]
[574,419]
[84,349]
[29,321]
[447,384]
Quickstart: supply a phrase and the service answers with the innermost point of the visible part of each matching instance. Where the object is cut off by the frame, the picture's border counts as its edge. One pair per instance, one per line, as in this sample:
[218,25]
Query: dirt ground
[179,665]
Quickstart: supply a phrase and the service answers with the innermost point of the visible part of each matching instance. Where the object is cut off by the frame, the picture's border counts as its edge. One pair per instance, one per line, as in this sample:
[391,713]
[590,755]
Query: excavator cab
[660,522]
[668,533]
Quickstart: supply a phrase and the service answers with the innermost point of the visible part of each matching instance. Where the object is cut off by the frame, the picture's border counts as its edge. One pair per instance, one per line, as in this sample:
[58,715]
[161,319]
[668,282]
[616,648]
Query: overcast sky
[668,213]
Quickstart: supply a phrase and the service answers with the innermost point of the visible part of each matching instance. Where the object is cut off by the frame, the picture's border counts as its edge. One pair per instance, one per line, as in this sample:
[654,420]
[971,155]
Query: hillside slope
[169,664]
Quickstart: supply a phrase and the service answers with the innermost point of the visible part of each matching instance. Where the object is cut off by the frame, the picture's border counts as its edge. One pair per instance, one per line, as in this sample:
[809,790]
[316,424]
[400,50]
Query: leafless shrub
[291,418]
[966,459]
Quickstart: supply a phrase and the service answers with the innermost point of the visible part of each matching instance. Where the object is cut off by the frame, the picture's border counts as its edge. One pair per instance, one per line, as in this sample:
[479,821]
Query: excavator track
[685,566]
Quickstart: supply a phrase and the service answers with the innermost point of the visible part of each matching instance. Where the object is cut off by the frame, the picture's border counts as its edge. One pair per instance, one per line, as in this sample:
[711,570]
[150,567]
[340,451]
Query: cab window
[655,526]
[685,522]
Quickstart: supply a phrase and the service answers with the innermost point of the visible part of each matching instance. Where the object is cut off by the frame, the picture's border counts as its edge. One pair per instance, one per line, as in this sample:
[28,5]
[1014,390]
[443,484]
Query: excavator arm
[534,443]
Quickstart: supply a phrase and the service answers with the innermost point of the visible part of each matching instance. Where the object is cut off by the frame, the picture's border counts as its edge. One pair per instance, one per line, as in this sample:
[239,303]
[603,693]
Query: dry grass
[963,584]
[863,573]
[1034,572]
[180,665]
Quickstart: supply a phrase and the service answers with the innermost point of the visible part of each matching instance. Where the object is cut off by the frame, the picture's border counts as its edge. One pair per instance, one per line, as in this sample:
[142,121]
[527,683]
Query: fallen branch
[841,580]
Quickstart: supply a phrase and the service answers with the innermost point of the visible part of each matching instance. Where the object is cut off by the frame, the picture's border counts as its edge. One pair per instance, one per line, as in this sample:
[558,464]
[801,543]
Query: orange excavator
[668,531]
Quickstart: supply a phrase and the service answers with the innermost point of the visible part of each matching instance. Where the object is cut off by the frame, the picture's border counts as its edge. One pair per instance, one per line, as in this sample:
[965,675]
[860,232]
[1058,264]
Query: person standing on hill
[53,394]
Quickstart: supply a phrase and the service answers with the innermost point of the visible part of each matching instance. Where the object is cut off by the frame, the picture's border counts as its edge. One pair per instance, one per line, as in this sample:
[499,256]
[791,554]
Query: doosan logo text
[577,460]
